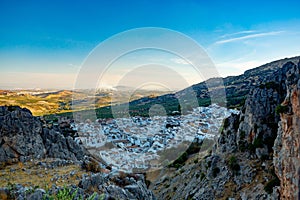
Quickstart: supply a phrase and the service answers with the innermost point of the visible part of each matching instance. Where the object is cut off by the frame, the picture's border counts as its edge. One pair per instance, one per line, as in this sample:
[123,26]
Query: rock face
[287,144]
[241,164]
[100,186]
[237,87]
[22,136]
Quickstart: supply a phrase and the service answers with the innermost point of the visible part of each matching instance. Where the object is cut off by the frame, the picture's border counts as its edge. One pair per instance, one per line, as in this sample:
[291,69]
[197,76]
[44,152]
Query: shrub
[209,163]
[233,164]
[242,146]
[66,194]
[215,171]
[226,123]
[251,148]
[242,135]
[179,162]
[91,166]
[272,183]
[193,148]
[264,157]
[258,143]
[269,85]
[281,109]
[202,176]
[255,128]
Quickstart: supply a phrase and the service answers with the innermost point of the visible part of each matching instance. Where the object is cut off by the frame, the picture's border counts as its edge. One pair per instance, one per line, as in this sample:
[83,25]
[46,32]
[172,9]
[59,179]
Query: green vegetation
[193,148]
[66,193]
[233,164]
[272,183]
[258,142]
[179,162]
[236,101]
[226,123]
[242,146]
[269,85]
[215,171]
[242,135]
[281,109]
[201,176]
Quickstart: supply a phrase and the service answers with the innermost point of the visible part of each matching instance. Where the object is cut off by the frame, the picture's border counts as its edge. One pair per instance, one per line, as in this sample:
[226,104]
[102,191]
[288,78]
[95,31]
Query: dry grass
[31,174]
[52,103]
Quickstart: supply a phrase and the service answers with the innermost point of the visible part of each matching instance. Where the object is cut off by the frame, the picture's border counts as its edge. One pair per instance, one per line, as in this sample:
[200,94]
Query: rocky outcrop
[240,165]
[287,144]
[98,186]
[237,87]
[26,137]
[23,136]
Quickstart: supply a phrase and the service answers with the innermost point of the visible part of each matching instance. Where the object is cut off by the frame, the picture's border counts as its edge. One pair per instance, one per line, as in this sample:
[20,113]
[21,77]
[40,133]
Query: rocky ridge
[240,165]
[287,143]
[245,163]
[25,138]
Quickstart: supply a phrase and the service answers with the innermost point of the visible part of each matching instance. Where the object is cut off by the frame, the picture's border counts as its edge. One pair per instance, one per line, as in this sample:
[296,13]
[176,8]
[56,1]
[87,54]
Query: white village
[136,142]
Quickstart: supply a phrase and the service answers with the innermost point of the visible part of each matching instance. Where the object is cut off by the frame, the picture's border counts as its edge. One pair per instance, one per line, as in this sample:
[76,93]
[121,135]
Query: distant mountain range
[236,89]
[45,102]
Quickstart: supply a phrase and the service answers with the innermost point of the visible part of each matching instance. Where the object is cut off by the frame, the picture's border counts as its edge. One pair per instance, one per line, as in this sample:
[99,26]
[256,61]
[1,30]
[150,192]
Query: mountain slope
[241,163]
[236,89]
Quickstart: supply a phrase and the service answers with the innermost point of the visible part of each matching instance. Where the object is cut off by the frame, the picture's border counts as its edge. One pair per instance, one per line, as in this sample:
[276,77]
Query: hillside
[236,88]
[257,153]
[41,162]
[45,102]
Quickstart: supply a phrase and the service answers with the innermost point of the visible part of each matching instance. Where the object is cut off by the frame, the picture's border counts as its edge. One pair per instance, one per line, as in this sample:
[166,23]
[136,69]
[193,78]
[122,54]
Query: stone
[37,194]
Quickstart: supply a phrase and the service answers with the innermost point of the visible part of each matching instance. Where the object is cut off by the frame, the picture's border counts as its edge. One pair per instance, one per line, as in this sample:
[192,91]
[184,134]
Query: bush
[179,162]
[66,194]
[258,143]
[281,109]
[255,128]
[242,135]
[233,164]
[242,146]
[202,176]
[251,148]
[215,171]
[209,163]
[193,148]
[272,183]
[91,166]
[226,123]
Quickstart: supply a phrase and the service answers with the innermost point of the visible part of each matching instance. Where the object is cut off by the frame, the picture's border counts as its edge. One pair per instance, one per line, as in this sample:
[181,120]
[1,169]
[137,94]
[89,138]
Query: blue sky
[42,41]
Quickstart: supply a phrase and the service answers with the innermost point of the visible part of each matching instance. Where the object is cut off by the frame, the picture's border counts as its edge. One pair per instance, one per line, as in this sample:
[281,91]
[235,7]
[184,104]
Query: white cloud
[250,36]
[238,33]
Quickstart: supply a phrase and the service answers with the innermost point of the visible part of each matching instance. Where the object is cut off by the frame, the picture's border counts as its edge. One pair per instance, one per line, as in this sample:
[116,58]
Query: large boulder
[19,134]
[22,137]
